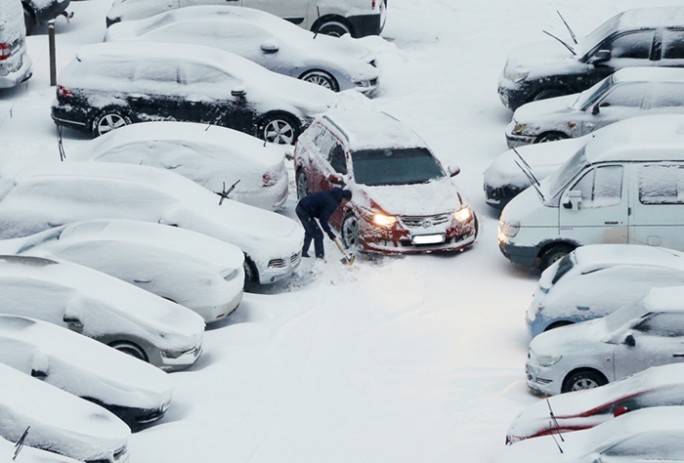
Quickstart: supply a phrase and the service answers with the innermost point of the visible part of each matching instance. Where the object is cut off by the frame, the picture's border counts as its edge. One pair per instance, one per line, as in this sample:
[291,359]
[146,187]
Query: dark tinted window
[337,159]
[395,166]
[673,44]
[632,45]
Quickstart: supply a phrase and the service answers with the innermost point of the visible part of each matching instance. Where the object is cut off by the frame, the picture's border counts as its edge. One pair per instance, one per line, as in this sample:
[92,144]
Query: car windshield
[41,238]
[395,166]
[590,96]
[593,39]
[555,182]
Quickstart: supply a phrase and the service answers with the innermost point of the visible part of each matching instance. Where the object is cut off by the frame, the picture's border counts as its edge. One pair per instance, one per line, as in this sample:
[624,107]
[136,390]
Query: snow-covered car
[109,85]
[390,171]
[584,355]
[138,393]
[657,386]
[15,63]
[508,174]
[649,435]
[213,156]
[37,12]
[27,454]
[59,422]
[47,195]
[195,270]
[333,17]
[102,307]
[629,92]
[641,37]
[333,62]
[595,280]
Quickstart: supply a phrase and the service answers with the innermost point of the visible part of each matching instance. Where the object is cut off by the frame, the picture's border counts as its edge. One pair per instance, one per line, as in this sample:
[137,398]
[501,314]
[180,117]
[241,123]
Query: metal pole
[53,65]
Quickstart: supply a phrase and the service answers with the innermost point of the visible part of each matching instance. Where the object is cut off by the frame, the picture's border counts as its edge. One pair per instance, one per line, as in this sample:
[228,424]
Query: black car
[109,85]
[37,13]
[640,37]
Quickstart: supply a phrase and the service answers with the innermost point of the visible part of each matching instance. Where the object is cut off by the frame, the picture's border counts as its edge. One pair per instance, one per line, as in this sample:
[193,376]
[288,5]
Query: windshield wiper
[527,170]
[572,50]
[572,34]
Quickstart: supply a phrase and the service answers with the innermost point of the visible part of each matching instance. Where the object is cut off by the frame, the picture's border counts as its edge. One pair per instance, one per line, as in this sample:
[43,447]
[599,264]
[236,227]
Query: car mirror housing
[270,46]
[630,341]
[454,171]
[595,110]
[572,199]
[601,56]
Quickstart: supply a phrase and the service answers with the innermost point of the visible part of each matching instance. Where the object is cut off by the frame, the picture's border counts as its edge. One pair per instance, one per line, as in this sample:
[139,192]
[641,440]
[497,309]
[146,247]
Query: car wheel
[548,93]
[350,231]
[321,78]
[279,128]
[109,120]
[550,136]
[302,184]
[251,274]
[334,27]
[130,348]
[583,379]
[554,253]
[28,20]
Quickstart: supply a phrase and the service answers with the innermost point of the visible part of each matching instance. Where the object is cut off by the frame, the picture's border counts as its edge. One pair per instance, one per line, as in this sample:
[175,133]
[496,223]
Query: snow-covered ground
[393,360]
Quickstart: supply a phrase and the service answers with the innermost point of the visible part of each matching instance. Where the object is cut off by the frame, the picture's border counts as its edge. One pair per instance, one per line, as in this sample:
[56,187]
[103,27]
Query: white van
[626,185]
[15,64]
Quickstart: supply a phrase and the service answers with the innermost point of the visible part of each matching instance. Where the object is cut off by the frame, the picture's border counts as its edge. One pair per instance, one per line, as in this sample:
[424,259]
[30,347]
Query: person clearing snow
[321,206]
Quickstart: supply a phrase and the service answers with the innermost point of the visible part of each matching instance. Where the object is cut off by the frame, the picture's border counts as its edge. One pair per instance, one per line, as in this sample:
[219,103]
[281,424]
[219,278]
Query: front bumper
[69,116]
[279,268]
[514,141]
[176,362]
[136,418]
[513,94]
[540,380]
[524,256]
[218,312]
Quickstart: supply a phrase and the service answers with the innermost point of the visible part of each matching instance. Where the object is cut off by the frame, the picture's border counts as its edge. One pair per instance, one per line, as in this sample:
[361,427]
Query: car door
[595,208]
[626,49]
[622,101]
[320,169]
[658,340]
[155,92]
[294,11]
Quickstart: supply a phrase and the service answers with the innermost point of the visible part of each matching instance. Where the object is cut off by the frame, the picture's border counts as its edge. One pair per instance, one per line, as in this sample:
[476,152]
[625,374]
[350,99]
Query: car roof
[611,255]
[649,74]
[667,299]
[656,17]
[647,138]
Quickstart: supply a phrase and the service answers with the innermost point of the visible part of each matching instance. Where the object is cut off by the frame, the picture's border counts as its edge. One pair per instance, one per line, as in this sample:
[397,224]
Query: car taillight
[5,51]
[64,92]
[268,179]
[373,4]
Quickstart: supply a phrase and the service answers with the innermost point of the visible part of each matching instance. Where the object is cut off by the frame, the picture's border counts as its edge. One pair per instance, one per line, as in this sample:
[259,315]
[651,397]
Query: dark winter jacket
[322,205]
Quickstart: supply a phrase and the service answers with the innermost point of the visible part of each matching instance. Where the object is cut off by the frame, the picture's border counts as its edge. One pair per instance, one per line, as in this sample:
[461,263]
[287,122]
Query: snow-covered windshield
[590,96]
[557,181]
[41,238]
[593,39]
[623,315]
[395,166]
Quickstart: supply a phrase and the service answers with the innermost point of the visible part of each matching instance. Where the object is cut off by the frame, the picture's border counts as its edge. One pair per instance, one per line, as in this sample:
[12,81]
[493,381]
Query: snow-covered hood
[551,110]
[412,200]
[526,206]
[574,339]
[542,59]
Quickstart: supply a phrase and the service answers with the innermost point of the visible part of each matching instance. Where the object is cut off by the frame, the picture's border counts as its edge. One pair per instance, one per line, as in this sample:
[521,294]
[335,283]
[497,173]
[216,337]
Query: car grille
[425,221]
[281,263]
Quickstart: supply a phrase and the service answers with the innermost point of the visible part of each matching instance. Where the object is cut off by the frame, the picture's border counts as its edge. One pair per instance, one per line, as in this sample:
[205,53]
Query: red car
[404,201]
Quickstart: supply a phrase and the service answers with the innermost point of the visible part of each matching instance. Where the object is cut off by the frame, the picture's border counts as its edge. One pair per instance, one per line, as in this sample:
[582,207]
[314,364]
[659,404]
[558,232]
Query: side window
[325,141]
[673,44]
[601,187]
[635,45]
[661,184]
[157,71]
[200,74]
[666,95]
[627,95]
[663,324]
[337,159]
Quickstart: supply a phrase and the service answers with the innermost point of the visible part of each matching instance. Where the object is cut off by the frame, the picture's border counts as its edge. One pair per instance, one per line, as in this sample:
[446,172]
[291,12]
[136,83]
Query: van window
[661,184]
[601,187]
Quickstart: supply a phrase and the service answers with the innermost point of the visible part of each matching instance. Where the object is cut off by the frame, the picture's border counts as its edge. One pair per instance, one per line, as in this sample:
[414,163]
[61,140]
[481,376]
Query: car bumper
[524,256]
[22,74]
[279,268]
[218,312]
[66,117]
[512,94]
[366,24]
[540,380]
[514,141]
[176,362]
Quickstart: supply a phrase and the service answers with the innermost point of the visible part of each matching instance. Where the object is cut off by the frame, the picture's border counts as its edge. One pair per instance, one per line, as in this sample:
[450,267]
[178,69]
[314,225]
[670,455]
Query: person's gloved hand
[331,235]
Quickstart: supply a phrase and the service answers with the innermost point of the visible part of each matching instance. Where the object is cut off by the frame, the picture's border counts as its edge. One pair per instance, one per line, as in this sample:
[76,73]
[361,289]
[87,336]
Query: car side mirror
[630,341]
[600,56]
[239,92]
[572,199]
[270,46]
[336,179]
[454,171]
[595,110]
[73,322]
[620,411]
[40,365]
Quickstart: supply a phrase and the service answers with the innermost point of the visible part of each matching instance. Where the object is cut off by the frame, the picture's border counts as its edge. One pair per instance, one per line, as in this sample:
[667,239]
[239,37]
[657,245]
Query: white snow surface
[419,358]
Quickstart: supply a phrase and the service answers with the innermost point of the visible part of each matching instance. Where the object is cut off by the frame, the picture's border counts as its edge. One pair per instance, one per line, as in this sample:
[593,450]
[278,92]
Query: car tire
[108,120]
[279,128]
[350,231]
[583,379]
[302,184]
[29,20]
[336,27]
[251,274]
[554,253]
[130,348]
[321,78]
[550,136]
[548,93]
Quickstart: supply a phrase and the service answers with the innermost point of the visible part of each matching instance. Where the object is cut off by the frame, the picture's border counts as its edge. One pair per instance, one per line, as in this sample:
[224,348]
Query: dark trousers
[311,232]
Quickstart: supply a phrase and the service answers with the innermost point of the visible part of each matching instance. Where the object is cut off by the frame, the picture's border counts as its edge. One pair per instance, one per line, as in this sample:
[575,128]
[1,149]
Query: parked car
[277,45]
[101,307]
[58,421]
[584,355]
[508,175]
[37,12]
[622,187]
[651,36]
[43,196]
[15,63]
[333,17]
[595,280]
[26,454]
[195,270]
[109,85]
[390,171]
[628,93]
[136,392]
[212,156]
[655,387]
[650,435]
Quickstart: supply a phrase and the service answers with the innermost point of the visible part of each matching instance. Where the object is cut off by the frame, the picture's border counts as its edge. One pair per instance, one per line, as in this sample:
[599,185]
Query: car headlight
[464,215]
[519,128]
[383,220]
[548,360]
[509,229]
[516,74]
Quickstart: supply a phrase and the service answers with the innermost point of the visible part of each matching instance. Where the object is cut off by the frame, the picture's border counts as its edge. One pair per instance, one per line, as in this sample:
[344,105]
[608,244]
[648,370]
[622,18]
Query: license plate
[428,239]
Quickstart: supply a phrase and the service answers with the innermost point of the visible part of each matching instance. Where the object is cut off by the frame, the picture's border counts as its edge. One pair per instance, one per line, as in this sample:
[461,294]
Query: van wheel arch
[333,25]
[552,252]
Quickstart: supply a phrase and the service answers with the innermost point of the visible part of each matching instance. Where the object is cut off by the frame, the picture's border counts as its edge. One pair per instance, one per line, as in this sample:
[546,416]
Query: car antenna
[60,144]
[527,170]
[318,16]
[224,194]
[561,41]
[20,443]
[572,34]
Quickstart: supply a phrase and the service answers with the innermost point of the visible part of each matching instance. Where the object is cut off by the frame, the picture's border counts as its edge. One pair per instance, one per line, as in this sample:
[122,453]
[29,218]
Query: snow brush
[348,259]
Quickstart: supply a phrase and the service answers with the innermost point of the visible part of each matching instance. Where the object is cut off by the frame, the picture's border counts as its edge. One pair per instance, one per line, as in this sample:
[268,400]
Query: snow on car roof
[640,18]
[605,255]
[649,74]
[668,299]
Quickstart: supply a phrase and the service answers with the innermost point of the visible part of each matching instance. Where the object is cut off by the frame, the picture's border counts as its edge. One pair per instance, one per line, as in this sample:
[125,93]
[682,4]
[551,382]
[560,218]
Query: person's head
[346,197]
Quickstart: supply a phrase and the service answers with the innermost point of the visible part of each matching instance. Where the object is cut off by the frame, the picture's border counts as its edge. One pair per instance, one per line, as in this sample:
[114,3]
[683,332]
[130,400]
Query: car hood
[410,199]
[572,339]
[557,109]
[544,58]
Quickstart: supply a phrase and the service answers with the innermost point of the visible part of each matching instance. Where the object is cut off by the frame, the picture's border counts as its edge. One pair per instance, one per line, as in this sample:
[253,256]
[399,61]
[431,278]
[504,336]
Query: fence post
[53,61]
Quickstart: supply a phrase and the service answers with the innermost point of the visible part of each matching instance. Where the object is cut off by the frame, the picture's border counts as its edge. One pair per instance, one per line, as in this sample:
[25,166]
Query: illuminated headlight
[519,128]
[548,360]
[517,74]
[230,274]
[383,220]
[464,215]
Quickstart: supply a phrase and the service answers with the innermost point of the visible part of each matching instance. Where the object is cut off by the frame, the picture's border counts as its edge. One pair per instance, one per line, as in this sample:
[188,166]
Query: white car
[595,280]
[212,156]
[574,411]
[38,197]
[101,307]
[651,435]
[279,46]
[58,421]
[592,353]
[197,271]
[136,392]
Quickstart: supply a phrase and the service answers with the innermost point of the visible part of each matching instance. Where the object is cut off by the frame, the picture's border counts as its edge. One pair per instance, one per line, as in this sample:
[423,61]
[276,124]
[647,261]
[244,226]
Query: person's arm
[324,218]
